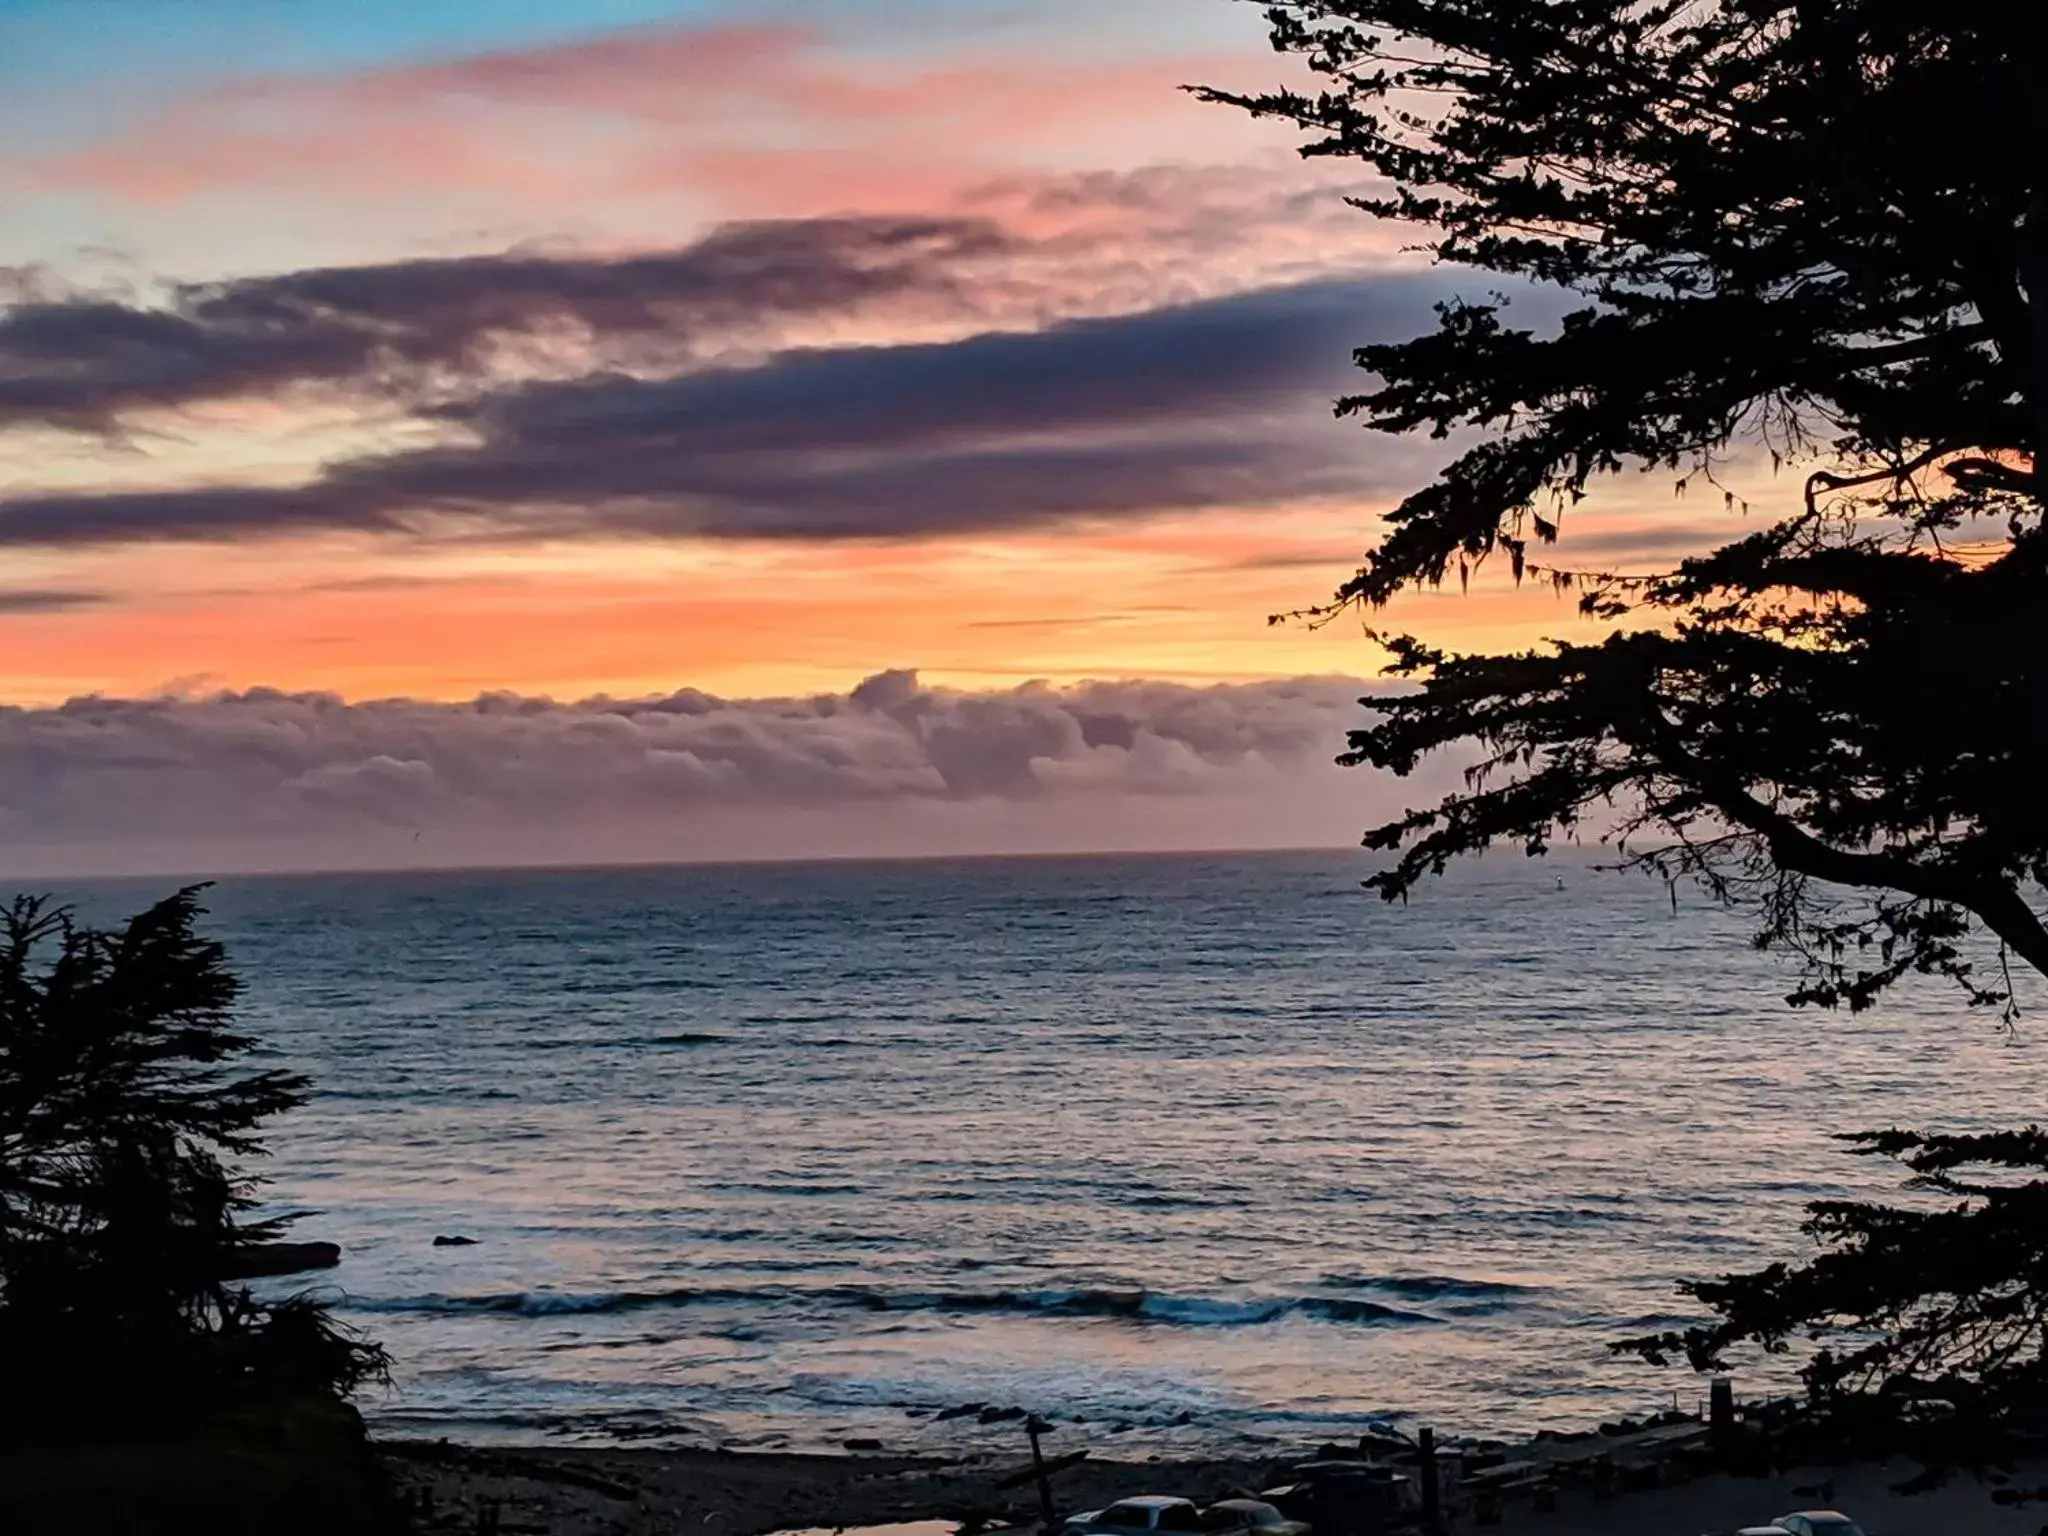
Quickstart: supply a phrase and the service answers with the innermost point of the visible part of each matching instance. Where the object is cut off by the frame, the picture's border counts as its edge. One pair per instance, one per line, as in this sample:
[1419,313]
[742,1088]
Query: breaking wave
[1465,1297]
[1132,1305]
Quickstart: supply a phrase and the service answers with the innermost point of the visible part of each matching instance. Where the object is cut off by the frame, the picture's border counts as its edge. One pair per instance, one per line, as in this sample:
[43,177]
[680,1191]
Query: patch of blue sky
[76,72]
[46,45]
[73,70]
[47,42]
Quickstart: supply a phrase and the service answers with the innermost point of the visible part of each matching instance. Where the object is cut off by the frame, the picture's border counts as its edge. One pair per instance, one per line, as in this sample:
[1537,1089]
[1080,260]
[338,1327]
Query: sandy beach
[575,1492]
[632,1492]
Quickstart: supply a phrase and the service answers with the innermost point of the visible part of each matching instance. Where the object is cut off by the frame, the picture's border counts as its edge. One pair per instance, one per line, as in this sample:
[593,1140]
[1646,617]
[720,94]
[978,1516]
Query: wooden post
[1034,1427]
[1606,1477]
[1432,1500]
[1721,1413]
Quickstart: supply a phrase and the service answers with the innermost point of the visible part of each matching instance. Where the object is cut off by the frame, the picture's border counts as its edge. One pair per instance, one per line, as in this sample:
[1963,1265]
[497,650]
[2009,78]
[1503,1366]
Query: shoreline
[639,1491]
[581,1491]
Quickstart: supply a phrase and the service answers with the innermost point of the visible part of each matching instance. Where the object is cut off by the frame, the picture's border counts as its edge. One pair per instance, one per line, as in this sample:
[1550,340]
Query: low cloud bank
[265,779]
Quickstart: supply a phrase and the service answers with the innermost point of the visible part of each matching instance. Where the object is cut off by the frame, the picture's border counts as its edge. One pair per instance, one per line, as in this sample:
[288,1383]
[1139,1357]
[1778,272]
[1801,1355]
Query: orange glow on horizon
[1131,196]
[1185,598]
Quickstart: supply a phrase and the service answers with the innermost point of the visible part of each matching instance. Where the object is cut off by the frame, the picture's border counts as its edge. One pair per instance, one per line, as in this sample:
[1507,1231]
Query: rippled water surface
[787,1155]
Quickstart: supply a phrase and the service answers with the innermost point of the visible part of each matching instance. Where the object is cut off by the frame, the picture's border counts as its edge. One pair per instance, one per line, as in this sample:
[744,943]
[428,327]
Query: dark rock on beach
[454,1242]
[261,1259]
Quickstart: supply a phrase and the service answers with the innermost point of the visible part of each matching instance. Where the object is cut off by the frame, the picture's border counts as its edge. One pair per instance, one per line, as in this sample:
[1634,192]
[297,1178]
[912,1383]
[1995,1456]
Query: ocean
[1208,1151]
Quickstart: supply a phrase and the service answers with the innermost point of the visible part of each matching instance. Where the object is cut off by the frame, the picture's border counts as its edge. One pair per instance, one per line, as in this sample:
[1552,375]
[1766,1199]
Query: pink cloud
[750,119]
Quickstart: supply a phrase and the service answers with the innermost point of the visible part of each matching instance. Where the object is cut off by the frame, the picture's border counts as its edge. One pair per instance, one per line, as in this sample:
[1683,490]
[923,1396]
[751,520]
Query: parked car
[1250,1517]
[1141,1516]
[1818,1522]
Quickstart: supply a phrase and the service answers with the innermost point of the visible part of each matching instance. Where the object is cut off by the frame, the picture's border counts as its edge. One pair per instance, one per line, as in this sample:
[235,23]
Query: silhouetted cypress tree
[121,1208]
[1807,232]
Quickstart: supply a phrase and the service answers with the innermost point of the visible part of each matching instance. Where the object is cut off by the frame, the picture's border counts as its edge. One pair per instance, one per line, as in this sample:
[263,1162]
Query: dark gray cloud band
[90,363]
[47,599]
[1218,403]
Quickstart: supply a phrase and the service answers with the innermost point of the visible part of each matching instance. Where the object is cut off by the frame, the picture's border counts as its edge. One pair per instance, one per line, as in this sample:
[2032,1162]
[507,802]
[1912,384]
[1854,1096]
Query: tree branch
[1823,481]
[1796,849]
[1918,347]
[1996,902]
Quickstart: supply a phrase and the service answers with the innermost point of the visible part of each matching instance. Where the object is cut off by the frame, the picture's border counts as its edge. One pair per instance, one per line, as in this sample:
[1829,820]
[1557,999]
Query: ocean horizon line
[1580,853]
[666,861]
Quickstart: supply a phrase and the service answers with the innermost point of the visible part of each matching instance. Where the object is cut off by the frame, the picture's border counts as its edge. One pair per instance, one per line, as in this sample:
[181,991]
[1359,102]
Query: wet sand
[719,1493]
[743,1493]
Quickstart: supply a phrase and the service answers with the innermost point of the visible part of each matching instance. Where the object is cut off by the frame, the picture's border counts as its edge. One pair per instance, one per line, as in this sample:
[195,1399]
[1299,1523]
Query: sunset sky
[421,351]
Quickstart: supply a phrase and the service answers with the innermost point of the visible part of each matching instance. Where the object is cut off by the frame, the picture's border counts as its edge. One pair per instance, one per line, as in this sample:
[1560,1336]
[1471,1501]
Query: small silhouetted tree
[122,1209]
[1812,233]
[1947,1301]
